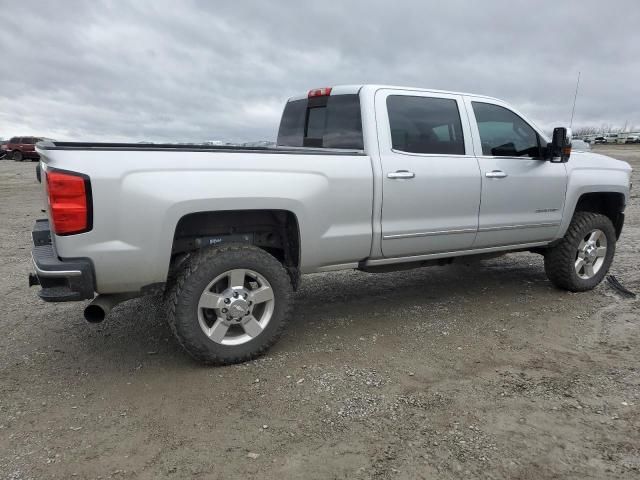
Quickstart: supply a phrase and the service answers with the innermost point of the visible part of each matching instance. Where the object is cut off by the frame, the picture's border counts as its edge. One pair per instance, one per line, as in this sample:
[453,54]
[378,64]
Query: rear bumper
[60,280]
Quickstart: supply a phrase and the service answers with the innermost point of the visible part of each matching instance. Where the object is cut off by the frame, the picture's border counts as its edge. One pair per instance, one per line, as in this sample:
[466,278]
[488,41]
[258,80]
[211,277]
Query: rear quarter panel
[139,197]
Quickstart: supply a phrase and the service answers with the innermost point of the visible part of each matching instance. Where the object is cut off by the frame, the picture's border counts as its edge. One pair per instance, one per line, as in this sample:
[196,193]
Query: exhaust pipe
[98,309]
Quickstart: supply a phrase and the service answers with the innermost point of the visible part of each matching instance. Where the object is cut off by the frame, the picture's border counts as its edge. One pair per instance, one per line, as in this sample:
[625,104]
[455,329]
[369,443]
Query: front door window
[503,133]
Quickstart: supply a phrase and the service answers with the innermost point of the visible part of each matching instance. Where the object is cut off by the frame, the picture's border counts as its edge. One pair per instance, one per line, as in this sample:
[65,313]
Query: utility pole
[575,97]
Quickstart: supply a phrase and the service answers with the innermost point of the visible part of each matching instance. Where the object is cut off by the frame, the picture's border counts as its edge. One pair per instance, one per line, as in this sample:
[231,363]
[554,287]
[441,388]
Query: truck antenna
[575,97]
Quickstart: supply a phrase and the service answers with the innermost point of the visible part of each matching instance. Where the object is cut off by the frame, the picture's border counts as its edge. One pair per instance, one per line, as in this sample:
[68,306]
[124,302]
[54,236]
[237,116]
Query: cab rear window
[322,122]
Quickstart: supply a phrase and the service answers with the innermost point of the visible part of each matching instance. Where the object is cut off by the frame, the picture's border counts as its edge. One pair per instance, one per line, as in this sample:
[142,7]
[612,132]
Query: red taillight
[320,92]
[69,202]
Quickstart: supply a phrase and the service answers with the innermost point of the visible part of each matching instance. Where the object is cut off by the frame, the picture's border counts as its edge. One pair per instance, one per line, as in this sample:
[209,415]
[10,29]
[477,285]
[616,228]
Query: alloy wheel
[591,254]
[236,307]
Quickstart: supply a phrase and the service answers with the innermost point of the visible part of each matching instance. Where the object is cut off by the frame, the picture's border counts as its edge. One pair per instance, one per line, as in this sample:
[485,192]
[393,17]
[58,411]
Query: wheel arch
[273,230]
[610,202]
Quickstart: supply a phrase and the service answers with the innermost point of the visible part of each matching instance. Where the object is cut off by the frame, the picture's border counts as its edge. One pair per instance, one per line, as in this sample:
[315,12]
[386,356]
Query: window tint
[425,125]
[503,133]
[292,124]
[323,122]
[13,140]
[344,123]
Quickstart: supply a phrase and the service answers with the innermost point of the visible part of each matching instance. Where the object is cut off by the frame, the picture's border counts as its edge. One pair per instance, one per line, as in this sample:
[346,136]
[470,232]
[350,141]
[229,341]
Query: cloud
[198,70]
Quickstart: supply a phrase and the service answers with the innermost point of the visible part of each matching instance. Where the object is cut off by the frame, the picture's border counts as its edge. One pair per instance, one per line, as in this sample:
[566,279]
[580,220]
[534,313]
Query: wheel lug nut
[226,300]
[224,310]
[235,294]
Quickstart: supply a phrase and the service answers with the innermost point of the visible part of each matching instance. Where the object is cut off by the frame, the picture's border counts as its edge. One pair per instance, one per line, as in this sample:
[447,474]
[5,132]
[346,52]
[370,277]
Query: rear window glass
[322,122]
[425,125]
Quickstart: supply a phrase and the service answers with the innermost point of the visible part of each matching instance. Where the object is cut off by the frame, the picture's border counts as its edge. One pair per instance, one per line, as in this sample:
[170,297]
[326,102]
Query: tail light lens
[69,202]
[319,92]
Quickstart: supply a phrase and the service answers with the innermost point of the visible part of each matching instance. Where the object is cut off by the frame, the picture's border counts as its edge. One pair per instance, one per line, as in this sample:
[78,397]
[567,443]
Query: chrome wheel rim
[236,307]
[591,254]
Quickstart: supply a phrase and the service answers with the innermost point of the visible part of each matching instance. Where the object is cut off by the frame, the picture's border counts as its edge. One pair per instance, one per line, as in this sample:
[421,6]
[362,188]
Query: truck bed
[140,192]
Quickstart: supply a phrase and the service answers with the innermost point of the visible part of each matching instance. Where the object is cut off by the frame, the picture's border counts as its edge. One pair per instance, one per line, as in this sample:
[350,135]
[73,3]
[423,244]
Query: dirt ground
[482,371]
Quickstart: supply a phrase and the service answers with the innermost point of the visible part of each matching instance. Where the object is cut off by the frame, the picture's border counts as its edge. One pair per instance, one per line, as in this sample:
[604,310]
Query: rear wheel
[17,156]
[229,304]
[583,257]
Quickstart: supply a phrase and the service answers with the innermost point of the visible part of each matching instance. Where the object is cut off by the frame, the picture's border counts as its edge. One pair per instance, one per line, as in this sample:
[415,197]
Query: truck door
[522,194]
[431,179]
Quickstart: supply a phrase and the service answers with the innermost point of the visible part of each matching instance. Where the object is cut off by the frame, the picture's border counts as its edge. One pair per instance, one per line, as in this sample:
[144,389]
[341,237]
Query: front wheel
[229,304]
[17,156]
[583,257]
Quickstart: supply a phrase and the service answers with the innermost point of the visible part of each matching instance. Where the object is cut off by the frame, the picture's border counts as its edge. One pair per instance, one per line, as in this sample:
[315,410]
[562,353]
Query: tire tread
[559,259]
[182,327]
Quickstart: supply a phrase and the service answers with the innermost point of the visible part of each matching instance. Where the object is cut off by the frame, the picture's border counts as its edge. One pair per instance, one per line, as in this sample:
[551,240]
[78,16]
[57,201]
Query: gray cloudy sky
[204,70]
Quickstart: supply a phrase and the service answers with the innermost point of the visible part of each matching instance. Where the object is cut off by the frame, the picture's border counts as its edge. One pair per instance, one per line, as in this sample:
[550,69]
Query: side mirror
[559,150]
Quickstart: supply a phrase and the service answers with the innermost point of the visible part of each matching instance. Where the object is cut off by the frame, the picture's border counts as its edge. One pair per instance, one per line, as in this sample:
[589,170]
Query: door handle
[401,174]
[495,174]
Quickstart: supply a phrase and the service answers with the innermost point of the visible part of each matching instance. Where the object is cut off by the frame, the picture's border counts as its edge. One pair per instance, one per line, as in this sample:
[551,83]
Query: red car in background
[22,148]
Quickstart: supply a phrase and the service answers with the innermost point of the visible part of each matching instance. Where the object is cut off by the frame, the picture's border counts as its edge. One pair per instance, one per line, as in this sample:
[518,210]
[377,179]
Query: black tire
[197,272]
[17,156]
[559,260]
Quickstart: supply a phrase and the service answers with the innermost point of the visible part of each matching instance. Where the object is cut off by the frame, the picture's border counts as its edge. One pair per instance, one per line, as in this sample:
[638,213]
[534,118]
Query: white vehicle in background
[580,145]
[632,139]
[613,138]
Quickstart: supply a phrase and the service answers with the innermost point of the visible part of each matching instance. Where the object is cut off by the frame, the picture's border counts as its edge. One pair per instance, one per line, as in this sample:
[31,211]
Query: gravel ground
[480,371]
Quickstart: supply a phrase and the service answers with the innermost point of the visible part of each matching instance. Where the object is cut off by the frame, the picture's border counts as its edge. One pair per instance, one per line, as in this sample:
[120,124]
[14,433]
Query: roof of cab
[353,89]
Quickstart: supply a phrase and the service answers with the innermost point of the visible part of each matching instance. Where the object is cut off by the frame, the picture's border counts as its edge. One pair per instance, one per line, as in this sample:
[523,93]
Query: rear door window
[322,122]
[426,125]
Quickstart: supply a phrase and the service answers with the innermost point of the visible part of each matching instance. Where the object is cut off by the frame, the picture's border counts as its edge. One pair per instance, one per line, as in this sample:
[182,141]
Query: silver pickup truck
[363,177]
